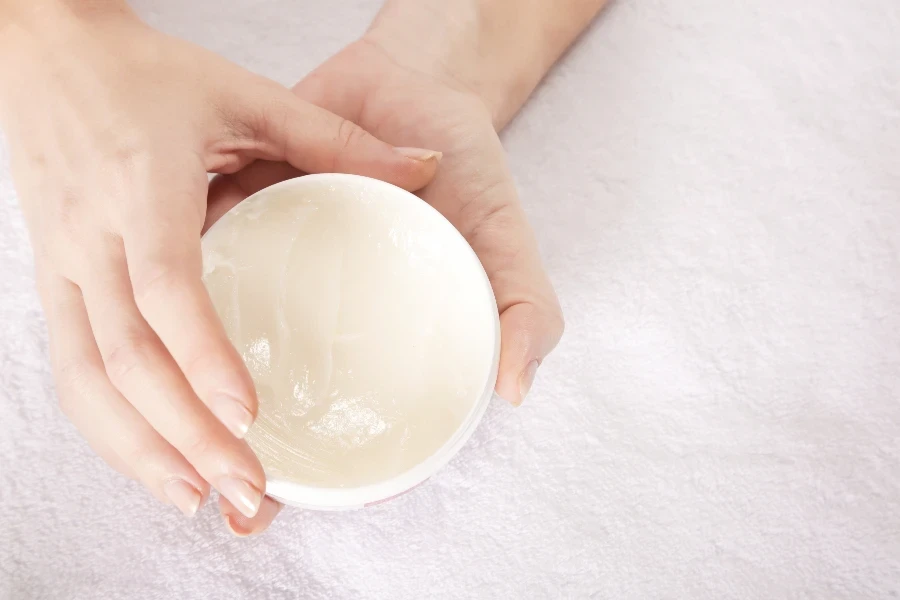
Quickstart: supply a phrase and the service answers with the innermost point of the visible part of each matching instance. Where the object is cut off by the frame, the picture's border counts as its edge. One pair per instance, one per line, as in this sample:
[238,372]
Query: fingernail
[183,495]
[234,527]
[527,378]
[420,153]
[241,494]
[233,415]
[242,527]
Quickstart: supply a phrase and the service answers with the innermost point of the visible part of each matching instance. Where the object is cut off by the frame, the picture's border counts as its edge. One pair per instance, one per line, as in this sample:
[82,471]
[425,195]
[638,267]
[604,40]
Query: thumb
[528,333]
[531,322]
[313,140]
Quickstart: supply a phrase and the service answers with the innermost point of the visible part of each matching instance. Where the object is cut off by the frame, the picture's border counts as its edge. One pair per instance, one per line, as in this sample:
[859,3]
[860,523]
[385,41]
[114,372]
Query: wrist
[464,45]
[498,49]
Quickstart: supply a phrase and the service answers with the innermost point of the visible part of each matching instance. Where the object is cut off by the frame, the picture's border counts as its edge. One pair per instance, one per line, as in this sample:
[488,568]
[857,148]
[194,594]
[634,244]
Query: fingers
[139,366]
[162,248]
[531,323]
[528,333]
[112,427]
[314,140]
[242,526]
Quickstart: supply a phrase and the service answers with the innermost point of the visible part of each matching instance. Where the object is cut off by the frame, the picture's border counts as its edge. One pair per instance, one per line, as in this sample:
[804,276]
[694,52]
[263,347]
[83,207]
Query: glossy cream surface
[366,323]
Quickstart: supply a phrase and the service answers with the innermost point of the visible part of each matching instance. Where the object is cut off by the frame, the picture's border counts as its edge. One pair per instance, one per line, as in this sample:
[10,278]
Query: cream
[365,320]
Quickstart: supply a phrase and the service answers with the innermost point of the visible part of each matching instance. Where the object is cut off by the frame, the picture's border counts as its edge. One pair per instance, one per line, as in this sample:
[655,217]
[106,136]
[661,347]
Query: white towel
[716,188]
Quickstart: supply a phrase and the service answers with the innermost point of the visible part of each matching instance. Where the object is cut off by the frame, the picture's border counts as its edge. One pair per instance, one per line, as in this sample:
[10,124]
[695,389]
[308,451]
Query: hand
[113,128]
[473,189]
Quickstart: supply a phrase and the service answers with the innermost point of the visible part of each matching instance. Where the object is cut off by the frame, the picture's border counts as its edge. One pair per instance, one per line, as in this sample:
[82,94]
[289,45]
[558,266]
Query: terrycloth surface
[716,186]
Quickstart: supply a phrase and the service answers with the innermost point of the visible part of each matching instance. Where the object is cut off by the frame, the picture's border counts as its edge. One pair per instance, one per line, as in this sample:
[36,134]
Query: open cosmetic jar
[370,330]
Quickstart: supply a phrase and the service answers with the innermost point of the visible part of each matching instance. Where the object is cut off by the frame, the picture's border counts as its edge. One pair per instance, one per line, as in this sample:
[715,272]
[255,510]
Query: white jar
[369,327]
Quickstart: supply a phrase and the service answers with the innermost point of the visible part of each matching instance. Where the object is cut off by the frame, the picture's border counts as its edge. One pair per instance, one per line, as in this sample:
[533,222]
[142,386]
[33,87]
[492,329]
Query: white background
[716,188]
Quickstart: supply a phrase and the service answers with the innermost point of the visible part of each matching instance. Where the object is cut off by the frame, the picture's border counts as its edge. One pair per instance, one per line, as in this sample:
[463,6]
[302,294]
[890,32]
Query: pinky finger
[111,426]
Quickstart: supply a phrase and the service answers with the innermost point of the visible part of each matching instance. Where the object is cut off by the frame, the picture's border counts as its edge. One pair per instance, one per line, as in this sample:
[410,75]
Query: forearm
[498,49]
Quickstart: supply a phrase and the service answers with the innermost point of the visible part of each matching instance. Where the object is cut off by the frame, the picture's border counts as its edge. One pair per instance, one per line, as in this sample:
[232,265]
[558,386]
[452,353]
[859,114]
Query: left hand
[113,127]
[473,188]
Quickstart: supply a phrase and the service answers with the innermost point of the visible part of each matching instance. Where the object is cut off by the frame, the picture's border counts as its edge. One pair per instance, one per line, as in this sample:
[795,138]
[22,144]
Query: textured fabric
[716,189]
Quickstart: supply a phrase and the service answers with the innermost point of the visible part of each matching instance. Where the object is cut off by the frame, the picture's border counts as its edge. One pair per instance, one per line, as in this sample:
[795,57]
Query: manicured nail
[233,414]
[242,527]
[420,154]
[183,495]
[241,494]
[527,378]
[234,527]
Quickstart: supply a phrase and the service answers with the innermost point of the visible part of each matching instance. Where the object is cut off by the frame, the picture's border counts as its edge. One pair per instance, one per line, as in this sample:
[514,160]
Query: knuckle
[125,146]
[154,278]
[196,446]
[125,357]
[128,156]
[72,381]
[68,211]
[68,225]
[139,460]
[349,135]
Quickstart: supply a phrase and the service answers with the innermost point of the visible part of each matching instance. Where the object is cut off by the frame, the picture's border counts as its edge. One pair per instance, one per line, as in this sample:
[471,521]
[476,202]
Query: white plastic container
[415,227]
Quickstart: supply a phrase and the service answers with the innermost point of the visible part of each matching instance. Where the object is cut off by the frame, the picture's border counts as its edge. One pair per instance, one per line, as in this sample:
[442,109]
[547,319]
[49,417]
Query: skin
[115,199]
[113,128]
[422,90]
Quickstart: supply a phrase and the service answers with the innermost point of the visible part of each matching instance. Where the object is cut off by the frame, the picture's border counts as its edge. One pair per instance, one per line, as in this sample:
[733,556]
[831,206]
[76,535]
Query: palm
[473,187]
[406,108]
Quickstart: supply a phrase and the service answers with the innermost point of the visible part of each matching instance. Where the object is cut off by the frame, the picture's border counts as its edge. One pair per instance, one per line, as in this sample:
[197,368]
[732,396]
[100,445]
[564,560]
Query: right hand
[113,128]
[474,189]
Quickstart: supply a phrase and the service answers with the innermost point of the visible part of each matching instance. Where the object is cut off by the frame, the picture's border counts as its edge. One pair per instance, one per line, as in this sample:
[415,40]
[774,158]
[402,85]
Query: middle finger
[140,367]
[112,427]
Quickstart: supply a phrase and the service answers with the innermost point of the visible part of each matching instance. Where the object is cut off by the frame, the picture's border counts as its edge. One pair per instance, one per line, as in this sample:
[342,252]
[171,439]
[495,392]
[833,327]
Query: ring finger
[139,366]
[111,426]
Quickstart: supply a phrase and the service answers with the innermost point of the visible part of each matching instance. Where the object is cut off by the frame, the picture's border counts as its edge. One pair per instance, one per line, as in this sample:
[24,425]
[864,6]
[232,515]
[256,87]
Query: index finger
[161,236]
[281,126]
